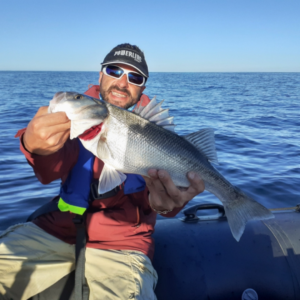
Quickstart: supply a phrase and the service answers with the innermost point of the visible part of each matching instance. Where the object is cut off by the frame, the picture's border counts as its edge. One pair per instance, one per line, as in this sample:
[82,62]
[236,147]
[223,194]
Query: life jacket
[75,195]
[75,191]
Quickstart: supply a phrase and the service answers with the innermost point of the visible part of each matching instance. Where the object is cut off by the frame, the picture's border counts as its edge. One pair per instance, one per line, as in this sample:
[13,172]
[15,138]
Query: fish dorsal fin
[166,121]
[139,108]
[204,140]
[162,115]
[169,127]
[154,113]
[109,179]
[148,107]
[156,109]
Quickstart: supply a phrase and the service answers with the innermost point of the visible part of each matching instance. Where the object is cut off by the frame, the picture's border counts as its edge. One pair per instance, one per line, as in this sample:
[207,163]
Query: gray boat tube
[199,259]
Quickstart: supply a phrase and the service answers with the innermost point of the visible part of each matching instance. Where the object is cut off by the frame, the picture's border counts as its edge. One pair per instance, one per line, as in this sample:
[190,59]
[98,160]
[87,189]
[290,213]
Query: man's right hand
[46,133]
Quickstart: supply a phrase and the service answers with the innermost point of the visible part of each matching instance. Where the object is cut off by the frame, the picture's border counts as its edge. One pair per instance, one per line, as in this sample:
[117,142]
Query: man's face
[119,91]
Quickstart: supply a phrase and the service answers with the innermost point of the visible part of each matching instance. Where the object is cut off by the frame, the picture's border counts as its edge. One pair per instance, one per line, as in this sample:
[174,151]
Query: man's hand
[46,133]
[165,196]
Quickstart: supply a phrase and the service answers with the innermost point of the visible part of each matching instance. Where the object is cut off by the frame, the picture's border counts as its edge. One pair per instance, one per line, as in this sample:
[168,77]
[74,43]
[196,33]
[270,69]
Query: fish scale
[150,146]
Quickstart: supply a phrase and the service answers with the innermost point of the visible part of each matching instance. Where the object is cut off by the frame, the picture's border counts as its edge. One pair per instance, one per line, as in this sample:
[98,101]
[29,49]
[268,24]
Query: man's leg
[113,275]
[31,260]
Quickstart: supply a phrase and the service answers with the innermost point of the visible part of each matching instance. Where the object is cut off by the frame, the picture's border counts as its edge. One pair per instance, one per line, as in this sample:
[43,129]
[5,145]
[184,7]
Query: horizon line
[157,71]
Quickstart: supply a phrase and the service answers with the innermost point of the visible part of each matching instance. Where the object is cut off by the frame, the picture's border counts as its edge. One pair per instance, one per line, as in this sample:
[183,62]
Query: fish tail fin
[243,209]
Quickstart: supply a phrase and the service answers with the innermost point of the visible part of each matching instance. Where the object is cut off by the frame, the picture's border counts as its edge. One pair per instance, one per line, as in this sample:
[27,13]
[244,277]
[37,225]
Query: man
[34,255]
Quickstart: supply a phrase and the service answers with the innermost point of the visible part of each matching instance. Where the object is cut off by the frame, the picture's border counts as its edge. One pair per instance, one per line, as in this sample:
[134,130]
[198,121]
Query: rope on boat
[296,208]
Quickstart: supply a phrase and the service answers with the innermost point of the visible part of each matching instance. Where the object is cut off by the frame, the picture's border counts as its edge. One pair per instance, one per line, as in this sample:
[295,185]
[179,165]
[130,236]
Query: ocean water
[256,117]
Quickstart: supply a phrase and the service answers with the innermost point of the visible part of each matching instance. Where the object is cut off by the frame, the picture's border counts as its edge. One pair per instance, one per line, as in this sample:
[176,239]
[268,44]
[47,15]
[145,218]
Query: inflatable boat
[197,258]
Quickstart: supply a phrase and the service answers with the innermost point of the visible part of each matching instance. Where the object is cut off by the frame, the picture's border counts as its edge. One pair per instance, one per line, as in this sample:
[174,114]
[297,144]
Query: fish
[134,142]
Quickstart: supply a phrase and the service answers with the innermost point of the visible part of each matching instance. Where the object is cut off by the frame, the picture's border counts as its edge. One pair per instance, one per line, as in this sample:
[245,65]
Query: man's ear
[143,88]
[100,76]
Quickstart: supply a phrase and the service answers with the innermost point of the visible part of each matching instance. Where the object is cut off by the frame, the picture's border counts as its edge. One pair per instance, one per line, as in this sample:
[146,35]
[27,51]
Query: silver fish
[136,142]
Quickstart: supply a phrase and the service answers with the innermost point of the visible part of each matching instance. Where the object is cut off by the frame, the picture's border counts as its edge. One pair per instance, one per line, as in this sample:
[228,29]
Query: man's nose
[122,82]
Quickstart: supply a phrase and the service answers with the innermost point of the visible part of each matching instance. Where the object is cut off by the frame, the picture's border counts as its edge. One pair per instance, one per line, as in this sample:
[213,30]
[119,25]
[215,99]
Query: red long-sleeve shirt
[121,222]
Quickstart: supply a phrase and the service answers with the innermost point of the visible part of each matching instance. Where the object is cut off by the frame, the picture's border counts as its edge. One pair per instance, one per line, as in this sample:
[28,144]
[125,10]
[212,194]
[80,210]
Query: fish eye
[78,97]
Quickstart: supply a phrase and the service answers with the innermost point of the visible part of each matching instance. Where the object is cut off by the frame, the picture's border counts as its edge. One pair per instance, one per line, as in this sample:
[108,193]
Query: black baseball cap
[129,55]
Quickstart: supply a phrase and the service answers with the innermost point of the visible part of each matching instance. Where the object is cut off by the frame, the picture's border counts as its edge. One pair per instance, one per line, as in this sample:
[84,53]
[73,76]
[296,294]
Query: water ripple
[255,117]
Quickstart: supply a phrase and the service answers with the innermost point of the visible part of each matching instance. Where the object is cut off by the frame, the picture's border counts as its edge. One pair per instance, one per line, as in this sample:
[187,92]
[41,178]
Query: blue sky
[176,36]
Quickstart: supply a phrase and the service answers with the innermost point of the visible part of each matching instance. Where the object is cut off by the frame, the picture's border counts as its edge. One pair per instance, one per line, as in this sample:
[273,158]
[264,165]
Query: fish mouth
[58,96]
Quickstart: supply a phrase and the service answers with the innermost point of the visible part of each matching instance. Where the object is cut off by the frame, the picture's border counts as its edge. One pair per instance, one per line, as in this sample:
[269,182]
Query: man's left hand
[165,196]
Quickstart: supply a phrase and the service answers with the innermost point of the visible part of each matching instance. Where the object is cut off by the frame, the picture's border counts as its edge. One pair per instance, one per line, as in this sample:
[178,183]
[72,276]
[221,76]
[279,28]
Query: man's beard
[104,96]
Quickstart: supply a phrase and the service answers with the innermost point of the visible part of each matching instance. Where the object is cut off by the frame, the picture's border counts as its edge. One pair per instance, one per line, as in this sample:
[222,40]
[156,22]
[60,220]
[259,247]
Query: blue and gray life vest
[75,191]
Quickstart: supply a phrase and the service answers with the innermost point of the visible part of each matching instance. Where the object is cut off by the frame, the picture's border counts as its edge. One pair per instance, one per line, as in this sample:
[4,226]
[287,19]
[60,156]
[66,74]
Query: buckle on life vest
[94,195]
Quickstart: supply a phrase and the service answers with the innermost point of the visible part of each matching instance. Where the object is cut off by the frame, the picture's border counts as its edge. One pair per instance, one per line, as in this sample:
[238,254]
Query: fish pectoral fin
[204,141]
[109,179]
[102,150]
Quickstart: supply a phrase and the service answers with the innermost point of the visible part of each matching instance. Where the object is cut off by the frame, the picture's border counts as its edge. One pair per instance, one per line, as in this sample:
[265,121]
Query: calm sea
[256,117]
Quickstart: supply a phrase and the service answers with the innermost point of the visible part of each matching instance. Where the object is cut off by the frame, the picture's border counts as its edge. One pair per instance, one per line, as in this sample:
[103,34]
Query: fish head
[78,106]
[86,113]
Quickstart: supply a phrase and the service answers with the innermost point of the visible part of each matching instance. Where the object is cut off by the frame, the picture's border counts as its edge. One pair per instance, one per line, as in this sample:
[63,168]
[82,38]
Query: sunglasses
[118,72]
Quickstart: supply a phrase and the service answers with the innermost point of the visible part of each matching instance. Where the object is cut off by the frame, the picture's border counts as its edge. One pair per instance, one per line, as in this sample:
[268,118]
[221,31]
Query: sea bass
[134,142]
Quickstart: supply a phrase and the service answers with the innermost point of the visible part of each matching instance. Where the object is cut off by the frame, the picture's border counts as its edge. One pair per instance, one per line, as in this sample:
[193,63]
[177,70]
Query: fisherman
[119,224]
